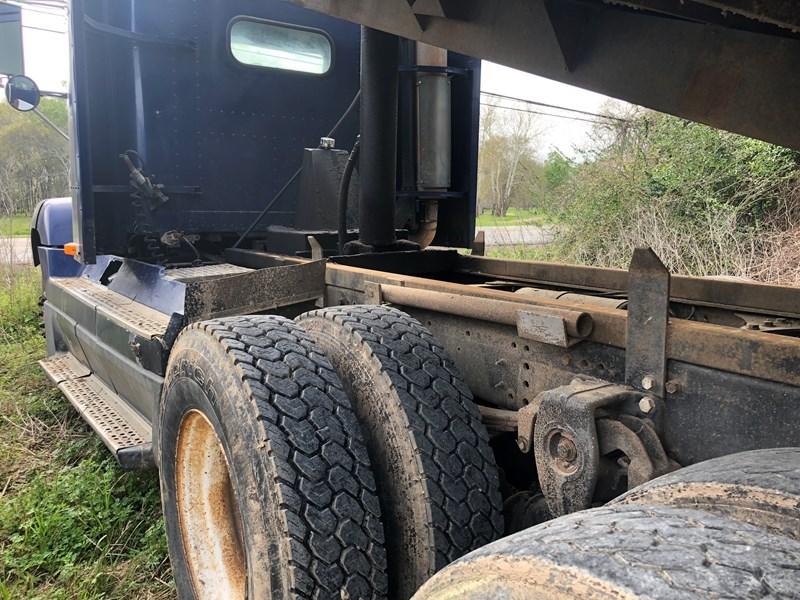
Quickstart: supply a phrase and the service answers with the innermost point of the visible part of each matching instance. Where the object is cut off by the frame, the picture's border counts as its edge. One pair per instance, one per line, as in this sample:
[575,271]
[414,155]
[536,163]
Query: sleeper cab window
[273,45]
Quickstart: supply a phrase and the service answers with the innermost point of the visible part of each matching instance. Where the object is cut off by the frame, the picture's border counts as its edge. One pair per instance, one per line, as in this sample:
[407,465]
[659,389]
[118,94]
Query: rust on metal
[648,319]
[547,324]
[256,291]
[208,513]
[498,419]
[749,353]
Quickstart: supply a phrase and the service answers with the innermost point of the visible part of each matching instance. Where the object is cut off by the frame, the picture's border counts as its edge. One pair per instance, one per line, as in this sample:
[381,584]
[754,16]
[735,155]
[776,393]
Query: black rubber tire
[436,474]
[760,487]
[627,551]
[298,467]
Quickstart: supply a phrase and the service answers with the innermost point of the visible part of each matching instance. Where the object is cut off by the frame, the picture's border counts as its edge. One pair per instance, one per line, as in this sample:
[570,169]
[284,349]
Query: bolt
[648,382]
[752,326]
[672,387]
[647,405]
[565,360]
[566,450]
[769,323]
[522,443]
[327,143]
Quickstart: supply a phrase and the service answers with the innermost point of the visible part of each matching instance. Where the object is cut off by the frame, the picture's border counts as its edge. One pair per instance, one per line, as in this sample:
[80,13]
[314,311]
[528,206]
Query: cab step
[126,433]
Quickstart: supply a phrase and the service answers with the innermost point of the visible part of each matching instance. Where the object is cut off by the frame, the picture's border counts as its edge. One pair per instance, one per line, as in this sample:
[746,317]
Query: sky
[47,54]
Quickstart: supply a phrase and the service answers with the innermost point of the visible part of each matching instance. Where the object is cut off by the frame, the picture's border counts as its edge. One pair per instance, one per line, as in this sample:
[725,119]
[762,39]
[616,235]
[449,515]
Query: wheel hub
[208,514]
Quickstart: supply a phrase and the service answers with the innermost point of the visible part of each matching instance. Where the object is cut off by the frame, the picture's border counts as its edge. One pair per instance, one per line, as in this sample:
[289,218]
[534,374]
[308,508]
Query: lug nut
[647,405]
[566,450]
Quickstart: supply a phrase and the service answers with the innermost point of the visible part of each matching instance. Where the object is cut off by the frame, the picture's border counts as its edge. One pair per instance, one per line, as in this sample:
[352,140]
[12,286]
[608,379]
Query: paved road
[517,235]
[16,250]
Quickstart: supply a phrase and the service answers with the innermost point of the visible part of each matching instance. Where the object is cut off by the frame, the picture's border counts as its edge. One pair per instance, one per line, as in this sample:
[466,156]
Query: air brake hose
[344,190]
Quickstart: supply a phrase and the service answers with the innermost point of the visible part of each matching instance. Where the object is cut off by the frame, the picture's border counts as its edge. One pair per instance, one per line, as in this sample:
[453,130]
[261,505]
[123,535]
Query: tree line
[709,202]
[34,159]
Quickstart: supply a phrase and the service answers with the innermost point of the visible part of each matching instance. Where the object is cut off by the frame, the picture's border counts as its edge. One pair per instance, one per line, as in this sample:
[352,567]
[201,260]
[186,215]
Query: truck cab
[267,285]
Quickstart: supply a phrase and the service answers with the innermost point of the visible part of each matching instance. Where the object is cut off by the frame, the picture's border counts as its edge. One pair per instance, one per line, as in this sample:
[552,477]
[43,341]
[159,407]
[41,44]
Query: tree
[557,169]
[34,160]
[506,141]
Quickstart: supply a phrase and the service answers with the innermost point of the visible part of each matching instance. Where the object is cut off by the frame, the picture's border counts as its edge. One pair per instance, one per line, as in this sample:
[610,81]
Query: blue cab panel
[159,78]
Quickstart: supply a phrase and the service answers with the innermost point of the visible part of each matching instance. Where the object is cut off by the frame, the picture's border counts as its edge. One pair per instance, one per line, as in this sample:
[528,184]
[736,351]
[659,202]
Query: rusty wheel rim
[209,518]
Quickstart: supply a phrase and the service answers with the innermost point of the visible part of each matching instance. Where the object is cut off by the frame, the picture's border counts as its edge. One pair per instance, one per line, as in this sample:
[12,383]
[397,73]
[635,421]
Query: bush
[705,200]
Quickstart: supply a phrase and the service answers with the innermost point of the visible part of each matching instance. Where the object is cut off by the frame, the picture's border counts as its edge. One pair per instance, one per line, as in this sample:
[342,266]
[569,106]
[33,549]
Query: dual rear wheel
[341,457]
[338,457]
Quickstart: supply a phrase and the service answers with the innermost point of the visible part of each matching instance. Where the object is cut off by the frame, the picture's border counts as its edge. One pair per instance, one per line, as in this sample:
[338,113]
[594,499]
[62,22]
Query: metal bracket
[317,253]
[372,293]
[565,442]
[563,328]
[479,244]
[648,317]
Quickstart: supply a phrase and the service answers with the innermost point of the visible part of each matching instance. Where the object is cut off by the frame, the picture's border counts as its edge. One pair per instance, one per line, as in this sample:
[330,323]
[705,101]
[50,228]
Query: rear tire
[436,475]
[626,552]
[760,487]
[266,486]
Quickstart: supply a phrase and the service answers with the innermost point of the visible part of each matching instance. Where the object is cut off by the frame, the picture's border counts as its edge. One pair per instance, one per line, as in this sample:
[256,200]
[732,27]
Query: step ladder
[123,430]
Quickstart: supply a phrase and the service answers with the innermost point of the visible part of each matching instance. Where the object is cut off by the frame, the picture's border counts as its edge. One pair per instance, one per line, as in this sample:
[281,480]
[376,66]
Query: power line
[544,114]
[555,106]
[59,31]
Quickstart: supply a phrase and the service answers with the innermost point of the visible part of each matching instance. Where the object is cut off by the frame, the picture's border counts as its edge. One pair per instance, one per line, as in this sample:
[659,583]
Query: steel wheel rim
[208,515]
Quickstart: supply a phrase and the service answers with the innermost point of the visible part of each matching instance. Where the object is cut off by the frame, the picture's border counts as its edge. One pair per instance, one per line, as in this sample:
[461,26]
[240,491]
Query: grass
[15,226]
[72,523]
[514,216]
[522,252]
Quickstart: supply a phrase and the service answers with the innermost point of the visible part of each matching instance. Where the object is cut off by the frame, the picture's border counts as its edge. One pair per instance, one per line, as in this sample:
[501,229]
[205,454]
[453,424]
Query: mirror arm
[44,94]
[50,124]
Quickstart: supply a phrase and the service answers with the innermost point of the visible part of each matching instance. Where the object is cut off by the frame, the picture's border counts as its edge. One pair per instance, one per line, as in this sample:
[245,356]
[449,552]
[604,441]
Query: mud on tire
[436,475]
[626,551]
[760,487]
[300,515]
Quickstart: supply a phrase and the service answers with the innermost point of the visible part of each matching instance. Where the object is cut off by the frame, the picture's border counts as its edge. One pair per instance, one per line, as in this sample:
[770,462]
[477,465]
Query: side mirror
[22,93]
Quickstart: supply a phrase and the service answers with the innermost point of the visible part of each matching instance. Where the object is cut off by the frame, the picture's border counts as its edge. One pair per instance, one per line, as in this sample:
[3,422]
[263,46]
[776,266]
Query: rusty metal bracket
[564,329]
[565,441]
[648,317]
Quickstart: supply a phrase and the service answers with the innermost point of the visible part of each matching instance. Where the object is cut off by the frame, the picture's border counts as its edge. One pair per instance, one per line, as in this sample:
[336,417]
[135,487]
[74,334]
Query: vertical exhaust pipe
[378,156]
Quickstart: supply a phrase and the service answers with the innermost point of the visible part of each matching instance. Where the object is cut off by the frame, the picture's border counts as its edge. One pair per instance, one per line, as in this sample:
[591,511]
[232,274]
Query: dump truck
[267,285]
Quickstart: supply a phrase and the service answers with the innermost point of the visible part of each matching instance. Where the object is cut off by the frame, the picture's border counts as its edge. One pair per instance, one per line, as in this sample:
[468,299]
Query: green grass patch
[546,252]
[15,225]
[514,216]
[72,523]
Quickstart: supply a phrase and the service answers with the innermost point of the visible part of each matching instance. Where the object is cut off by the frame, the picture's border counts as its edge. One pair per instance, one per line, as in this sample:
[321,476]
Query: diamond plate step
[126,433]
[135,316]
[190,274]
